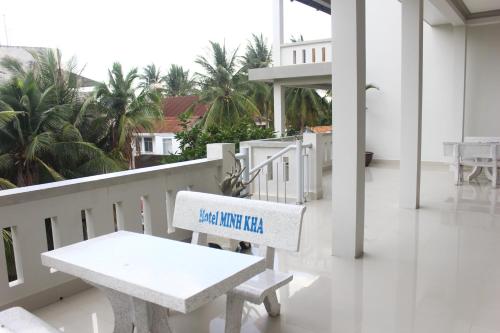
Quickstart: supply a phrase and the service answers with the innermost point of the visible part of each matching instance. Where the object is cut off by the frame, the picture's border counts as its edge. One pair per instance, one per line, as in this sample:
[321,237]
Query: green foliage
[151,78]
[9,253]
[39,140]
[223,87]
[178,82]
[258,55]
[120,111]
[305,107]
[193,140]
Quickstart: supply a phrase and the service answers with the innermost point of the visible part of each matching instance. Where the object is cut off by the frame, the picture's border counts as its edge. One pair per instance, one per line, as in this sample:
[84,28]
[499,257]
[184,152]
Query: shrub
[193,140]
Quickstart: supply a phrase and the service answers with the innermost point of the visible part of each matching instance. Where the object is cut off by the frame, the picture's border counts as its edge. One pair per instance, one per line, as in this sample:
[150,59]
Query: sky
[137,33]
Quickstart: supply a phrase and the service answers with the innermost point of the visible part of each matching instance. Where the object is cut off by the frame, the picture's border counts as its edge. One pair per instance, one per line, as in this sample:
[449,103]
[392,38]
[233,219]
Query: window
[167,146]
[148,145]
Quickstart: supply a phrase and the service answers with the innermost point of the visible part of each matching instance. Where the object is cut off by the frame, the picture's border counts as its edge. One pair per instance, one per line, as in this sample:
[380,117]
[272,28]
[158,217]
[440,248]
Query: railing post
[300,171]
[223,151]
[245,164]
[315,165]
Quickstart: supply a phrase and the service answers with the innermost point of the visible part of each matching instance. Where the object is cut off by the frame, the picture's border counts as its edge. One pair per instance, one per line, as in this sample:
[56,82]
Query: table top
[173,274]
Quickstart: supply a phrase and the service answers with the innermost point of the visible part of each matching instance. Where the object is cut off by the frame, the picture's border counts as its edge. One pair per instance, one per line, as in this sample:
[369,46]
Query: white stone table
[142,275]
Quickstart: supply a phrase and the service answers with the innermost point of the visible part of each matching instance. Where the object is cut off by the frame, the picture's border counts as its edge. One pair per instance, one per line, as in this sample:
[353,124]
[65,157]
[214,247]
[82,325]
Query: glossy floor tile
[436,269]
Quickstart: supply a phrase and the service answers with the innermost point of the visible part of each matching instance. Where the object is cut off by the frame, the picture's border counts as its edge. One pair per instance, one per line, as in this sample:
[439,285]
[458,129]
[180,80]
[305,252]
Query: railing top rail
[44,191]
[308,42]
[272,158]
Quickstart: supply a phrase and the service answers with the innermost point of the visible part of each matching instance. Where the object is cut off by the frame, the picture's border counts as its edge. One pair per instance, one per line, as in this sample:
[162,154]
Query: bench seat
[258,287]
[18,320]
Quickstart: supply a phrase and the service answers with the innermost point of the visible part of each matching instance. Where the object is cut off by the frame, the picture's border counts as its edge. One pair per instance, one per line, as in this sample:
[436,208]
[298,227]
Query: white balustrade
[326,141]
[307,52]
[283,175]
[48,216]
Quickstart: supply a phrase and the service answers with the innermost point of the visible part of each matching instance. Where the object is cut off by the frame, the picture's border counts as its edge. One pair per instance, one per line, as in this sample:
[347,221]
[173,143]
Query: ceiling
[478,6]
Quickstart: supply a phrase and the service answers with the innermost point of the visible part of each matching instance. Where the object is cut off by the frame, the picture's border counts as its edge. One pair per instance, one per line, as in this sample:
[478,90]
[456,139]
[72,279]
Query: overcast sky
[136,33]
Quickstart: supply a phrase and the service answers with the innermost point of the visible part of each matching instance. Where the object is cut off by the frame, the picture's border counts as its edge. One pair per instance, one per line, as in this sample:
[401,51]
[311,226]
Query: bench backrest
[274,225]
[482,139]
[478,150]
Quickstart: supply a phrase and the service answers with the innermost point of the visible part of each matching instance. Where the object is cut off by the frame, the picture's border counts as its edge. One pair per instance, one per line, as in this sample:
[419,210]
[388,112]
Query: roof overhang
[318,76]
[437,12]
[321,5]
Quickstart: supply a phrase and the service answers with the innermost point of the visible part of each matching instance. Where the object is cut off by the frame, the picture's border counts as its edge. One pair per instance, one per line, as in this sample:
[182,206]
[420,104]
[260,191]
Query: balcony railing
[43,217]
[308,52]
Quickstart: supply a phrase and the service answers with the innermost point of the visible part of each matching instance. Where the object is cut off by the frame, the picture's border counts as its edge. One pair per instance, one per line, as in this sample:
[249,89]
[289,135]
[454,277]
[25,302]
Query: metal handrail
[272,158]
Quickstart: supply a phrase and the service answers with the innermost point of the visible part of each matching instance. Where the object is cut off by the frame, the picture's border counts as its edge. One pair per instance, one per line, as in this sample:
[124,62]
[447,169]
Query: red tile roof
[175,106]
[171,125]
[321,129]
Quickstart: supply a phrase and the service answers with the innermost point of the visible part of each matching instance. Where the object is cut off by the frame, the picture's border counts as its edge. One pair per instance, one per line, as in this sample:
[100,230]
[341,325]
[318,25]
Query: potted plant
[369,154]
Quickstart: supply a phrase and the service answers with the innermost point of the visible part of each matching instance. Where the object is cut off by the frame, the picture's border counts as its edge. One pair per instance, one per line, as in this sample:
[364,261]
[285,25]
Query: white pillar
[460,48]
[348,165]
[278,35]
[279,109]
[411,102]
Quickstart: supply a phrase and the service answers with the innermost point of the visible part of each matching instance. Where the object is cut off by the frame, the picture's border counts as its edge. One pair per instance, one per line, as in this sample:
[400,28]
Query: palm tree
[151,78]
[223,88]
[304,107]
[49,71]
[37,141]
[124,112]
[178,82]
[258,55]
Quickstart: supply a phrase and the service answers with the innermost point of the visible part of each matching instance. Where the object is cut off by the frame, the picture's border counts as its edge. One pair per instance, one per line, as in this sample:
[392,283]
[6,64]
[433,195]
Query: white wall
[482,104]
[158,143]
[383,68]
[441,121]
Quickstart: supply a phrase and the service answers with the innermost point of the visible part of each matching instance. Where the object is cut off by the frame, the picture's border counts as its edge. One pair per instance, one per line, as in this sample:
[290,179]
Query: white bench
[18,320]
[270,225]
[477,155]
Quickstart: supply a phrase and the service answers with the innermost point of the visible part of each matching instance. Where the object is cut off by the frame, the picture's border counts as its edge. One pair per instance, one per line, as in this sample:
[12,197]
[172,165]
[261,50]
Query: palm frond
[5,184]
[53,173]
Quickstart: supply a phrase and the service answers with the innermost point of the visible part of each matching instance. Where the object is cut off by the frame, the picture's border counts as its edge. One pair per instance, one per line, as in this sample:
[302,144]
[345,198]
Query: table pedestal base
[131,312]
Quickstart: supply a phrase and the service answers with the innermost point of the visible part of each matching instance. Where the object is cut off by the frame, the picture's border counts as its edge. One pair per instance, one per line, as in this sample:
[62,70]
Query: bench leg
[475,173]
[234,311]
[133,315]
[122,310]
[150,318]
[494,175]
[272,305]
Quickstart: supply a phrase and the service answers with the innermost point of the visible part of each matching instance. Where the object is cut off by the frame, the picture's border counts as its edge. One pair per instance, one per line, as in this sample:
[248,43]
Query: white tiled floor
[436,269]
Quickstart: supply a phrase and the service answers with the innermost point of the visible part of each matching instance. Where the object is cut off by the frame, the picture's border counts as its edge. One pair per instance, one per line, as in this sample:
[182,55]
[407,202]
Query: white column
[460,46]
[411,102]
[278,34]
[279,109]
[348,165]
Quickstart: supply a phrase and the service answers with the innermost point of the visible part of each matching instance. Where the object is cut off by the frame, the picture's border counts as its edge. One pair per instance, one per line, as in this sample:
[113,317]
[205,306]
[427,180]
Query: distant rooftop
[173,107]
[23,54]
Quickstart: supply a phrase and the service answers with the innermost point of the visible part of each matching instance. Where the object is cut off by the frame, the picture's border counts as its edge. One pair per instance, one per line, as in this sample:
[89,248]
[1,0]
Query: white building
[162,140]
[436,63]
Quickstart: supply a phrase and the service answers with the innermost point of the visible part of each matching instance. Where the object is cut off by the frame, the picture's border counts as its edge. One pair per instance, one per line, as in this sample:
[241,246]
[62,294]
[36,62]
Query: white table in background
[143,276]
